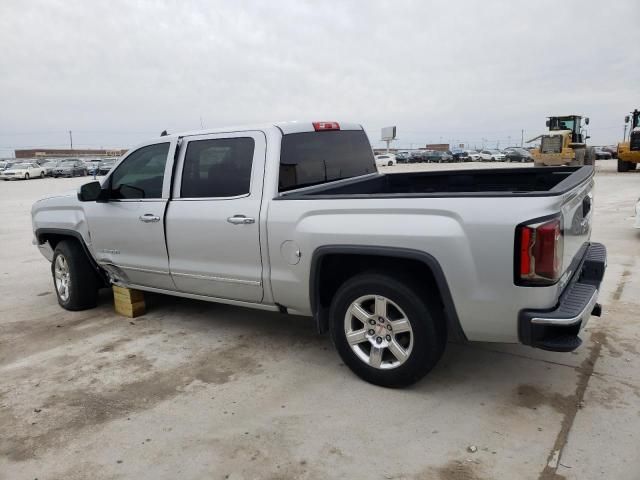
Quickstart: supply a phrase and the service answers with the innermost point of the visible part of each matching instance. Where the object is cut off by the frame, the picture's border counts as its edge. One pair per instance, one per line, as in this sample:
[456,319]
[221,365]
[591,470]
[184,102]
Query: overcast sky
[119,72]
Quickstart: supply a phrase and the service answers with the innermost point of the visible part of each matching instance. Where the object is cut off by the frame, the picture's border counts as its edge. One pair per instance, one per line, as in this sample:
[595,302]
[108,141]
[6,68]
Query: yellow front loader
[629,152]
[564,144]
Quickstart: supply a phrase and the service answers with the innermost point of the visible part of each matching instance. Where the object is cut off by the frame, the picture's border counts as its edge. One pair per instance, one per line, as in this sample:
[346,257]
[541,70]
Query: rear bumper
[557,329]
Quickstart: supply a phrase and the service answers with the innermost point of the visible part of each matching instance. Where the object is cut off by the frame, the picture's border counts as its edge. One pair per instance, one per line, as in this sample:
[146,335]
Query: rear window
[312,158]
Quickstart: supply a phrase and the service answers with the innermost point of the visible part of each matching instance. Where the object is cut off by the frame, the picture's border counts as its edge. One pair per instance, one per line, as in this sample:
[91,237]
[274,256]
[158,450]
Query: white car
[24,171]
[473,155]
[385,160]
[492,156]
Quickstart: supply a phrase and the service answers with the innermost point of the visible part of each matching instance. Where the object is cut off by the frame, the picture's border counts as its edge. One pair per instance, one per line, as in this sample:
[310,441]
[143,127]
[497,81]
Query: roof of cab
[285,127]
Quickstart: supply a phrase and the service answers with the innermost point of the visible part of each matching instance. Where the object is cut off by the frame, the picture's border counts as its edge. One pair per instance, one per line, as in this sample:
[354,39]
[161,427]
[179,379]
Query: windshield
[18,166]
[311,158]
[67,164]
[562,123]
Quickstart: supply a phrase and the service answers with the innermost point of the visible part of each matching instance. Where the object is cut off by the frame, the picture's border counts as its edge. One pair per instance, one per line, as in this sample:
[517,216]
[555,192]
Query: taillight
[320,126]
[539,252]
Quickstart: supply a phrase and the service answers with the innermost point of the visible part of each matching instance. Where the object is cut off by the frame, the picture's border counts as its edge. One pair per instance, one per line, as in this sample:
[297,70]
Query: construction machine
[564,144]
[629,152]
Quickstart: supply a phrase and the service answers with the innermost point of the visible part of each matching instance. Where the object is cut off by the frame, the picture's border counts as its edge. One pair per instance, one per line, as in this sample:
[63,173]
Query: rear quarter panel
[471,238]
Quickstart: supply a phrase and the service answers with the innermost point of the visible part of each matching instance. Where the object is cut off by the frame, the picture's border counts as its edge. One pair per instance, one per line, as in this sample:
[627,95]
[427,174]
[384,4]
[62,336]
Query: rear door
[127,232]
[213,234]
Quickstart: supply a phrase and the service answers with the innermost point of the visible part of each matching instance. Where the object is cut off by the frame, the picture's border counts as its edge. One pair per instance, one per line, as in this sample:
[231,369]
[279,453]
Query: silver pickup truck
[294,217]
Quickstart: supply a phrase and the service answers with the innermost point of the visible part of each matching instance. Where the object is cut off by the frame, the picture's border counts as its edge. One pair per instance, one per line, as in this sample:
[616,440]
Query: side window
[141,174]
[217,168]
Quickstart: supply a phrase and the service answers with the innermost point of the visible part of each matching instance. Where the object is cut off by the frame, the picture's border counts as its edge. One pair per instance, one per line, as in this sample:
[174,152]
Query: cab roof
[285,127]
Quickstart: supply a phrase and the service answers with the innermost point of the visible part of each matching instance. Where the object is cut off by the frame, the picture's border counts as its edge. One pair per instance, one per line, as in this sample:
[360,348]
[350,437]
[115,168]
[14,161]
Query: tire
[425,340]
[75,282]
[26,176]
[41,174]
[632,165]
[623,166]
[390,164]
[590,156]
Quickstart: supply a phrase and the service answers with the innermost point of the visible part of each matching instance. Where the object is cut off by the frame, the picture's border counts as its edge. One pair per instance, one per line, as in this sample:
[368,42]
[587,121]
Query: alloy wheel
[378,331]
[62,277]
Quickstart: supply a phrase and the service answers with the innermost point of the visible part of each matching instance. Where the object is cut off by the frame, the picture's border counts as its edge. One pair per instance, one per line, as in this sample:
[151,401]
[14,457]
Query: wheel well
[54,237]
[331,270]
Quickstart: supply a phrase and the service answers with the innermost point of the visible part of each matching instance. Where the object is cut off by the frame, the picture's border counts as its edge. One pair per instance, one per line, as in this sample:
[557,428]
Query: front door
[127,231]
[213,224]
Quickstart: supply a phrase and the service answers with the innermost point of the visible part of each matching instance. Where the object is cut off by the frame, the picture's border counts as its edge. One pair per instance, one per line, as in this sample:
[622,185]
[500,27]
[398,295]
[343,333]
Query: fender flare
[63,232]
[321,314]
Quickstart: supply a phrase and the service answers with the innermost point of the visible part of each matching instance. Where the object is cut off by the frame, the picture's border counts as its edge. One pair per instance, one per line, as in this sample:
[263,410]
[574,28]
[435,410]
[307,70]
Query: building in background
[61,152]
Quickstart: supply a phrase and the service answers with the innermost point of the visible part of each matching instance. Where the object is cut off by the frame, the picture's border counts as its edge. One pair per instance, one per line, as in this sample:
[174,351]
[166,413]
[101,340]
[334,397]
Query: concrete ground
[196,390]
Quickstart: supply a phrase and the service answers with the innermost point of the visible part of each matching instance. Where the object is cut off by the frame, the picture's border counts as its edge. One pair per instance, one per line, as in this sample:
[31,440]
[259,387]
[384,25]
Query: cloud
[119,72]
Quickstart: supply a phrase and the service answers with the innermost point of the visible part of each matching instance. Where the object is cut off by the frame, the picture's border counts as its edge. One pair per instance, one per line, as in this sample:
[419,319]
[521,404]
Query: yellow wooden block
[128,294]
[128,309]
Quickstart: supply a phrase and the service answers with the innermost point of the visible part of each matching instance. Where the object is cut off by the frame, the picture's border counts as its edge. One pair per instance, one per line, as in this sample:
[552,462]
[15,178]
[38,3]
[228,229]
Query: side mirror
[587,137]
[548,122]
[626,119]
[90,192]
[586,120]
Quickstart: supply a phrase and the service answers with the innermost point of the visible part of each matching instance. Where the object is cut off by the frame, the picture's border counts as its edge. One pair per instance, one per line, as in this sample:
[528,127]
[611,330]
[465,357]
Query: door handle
[241,220]
[149,218]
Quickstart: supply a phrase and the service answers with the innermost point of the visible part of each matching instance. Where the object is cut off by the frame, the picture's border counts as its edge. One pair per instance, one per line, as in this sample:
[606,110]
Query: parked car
[492,156]
[602,154]
[93,166]
[402,157]
[612,149]
[416,156]
[438,157]
[474,155]
[23,171]
[6,164]
[70,168]
[518,155]
[385,160]
[50,166]
[106,166]
[391,265]
[461,156]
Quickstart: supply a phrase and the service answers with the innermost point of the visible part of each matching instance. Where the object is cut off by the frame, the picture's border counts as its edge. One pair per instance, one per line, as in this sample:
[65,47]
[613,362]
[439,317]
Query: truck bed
[547,181]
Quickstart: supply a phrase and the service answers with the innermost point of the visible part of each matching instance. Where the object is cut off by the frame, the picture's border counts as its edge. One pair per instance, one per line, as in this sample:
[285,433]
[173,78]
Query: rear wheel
[41,174]
[386,332]
[590,156]
[26,176]
[75,281]
[390,163]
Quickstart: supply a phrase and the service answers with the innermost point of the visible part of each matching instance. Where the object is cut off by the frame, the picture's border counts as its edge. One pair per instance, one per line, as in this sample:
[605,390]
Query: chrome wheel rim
[62,277]
[378,331]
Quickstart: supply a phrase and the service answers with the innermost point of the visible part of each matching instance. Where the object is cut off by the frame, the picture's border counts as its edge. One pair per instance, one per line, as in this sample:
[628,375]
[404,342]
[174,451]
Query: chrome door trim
[218,279]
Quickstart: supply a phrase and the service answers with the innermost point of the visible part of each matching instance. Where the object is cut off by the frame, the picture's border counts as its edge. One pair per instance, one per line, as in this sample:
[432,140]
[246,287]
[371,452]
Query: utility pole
[522,138]
[71,139]
[624,133]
